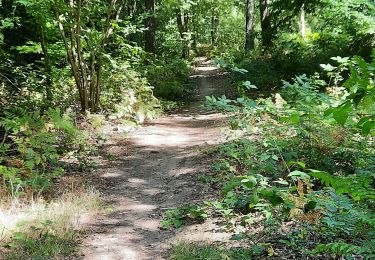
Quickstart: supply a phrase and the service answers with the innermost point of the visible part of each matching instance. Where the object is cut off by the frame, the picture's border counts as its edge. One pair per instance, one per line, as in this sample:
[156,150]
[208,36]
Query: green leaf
[367,127]
[276,200]
[309,206]
[341,114]
[281,181]
[249,182]
[329,112]
[298,174]
[20,236]
[264,157]
[301,164]
[294,118]
[248,85]
[362,121]
[328,67]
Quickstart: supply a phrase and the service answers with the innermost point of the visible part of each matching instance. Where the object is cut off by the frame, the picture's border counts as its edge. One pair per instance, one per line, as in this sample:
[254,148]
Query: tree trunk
[303,22]
[150,25]
[71,60]
[265,23]
[95,100]
[249,45]
[47,63]
[132,7]
[214,26]
[87,73]
[182,24]
[79,52]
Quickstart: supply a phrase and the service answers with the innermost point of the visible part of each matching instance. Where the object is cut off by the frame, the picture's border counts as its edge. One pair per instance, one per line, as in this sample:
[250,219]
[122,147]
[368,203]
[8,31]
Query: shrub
[31,147]
[303,155]
[128,95]
[170,79]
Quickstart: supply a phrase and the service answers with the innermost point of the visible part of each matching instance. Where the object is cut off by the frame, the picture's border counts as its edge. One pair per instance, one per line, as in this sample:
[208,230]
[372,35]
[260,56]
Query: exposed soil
[157,169]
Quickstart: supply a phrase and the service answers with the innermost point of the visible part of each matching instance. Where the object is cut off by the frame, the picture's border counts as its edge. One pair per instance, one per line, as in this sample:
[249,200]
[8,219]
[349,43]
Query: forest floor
[156,169]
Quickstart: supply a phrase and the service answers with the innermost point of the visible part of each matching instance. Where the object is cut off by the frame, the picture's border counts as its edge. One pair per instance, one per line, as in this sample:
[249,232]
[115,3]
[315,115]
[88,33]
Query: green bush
[304,155]
[31,148]
[128,95]
[170,79]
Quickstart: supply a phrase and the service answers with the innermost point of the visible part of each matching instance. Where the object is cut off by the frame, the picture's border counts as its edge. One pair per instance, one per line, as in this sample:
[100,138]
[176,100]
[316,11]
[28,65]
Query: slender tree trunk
[132,7]
[99,65]
[303,22]
[87,74]
[249,45]
[214,26]
[182,24]
[194,34]
[265,23]
[195,40]
[79,53]
[151,26]
[73,65]
[47,63]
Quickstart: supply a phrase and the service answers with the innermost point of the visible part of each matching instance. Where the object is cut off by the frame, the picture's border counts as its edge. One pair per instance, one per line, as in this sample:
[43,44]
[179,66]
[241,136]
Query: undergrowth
[300,166]
[202,252]
[40,229]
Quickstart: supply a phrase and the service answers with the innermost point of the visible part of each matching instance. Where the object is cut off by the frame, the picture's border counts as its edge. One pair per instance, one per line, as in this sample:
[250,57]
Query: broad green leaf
[341,113]
[367,127]
[298,174]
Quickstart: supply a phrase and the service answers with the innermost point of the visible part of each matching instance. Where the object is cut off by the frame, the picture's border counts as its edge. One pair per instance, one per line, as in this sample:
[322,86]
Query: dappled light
[187,129]
[164,151]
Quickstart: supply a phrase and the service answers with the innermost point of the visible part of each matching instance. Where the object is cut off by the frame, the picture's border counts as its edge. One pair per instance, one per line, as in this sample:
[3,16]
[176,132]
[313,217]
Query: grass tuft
[40,229]
[185,251]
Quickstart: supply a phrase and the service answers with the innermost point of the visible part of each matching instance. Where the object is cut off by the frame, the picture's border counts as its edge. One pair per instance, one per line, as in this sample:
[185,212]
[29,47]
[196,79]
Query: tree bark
[99,65]
[182,24]
[265,22]
[303,22]
[71,60]
[87,73]
[249,45]
[214,26]
[151,26]
[132,7]
[79,50]
[47,62]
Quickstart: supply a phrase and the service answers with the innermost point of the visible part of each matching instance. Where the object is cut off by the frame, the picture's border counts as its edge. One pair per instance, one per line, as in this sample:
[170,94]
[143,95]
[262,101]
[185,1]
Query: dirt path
[157,172]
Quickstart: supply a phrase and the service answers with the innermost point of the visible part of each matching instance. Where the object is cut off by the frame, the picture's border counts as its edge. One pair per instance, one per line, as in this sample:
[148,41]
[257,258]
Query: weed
[41,229]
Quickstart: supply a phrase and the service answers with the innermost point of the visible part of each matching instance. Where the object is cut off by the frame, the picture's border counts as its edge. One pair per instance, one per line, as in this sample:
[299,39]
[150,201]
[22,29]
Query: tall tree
[303,22]
[150,25]
[182,24]
[249,45]
[265,23]
[214,25]
[131,7]
[39,12]
[86,60]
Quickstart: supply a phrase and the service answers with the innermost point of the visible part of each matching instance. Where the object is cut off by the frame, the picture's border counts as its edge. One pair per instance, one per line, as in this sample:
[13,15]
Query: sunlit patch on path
[158,173]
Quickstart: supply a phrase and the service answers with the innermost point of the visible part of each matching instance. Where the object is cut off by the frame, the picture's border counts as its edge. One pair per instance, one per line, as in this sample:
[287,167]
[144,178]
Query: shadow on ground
[158,171]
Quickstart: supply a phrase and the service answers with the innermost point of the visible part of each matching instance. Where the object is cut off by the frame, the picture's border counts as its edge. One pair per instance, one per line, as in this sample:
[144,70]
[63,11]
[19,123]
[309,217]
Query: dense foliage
[305,155]
[300,153]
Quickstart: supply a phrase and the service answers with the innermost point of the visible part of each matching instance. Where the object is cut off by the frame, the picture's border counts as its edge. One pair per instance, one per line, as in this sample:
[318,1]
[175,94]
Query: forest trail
[158,170]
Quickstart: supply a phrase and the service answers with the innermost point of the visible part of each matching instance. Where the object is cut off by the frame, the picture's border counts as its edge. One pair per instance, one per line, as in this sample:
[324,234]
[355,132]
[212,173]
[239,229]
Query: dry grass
[61,219]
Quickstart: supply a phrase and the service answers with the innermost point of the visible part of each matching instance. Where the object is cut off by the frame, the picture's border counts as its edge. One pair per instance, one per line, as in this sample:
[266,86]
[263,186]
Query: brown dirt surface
[156,169]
